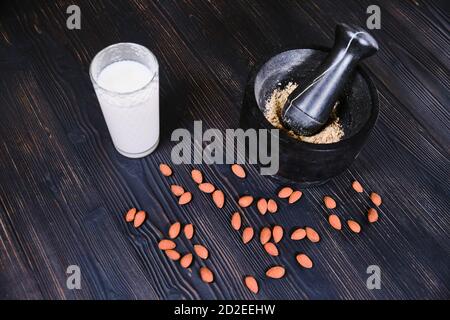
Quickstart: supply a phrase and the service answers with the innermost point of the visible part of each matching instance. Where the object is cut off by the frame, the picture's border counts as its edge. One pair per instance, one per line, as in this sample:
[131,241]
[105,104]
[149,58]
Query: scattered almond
[304,261]
[272,206]
[238,171]
[265,235]
[335,222]
[129,216]
[197,176]
[295,196]
[247,235]
[298,234]
[357,186]
[312,235]
[271,249]
[186,260]
[251,284]
[276,272]
[185,198]
[206,275]
[176,190]
[372,215]
[376,199]
[245,201]
[218,198]
[236,221]
[174,230]
[189,231]
[206,187]
[262,206]
[139,218]
[166,244]
[329,202]
[201,251]
[277,233]
[354,226]
[165,170]
[173,254]
[285,192]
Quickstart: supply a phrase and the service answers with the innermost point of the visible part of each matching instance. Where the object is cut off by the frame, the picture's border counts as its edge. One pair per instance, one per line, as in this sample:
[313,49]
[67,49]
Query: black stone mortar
[303,162]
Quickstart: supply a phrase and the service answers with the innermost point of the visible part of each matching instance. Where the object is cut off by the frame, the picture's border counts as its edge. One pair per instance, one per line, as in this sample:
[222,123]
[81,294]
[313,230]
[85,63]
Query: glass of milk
[126,82]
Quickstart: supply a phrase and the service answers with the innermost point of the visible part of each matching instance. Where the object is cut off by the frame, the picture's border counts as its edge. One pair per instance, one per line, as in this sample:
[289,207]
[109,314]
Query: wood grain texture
[64,189]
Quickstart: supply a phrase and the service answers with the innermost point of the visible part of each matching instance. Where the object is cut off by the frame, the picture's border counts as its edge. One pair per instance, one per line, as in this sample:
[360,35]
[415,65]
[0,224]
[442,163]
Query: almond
[312,235]
[185,198]
[173,254]
[372,215]
[329,202]
[129,216]
[238,171]
[304,261]
[251,284]
[262,206]
[174,230]
[357,186]
[165,170]
[176,190]
[206,187]
[206,275]
[298,234]
[197,176]
[245,201]
[335,222]
[354,226]
[236,221]
[139,219]
[285,192]
[272,206]
[295,196]
[189,231]
[201,251]
[271,249]
[247,235]
[166,244]
[265,235]
[186,260]
[276,272]
[277,233]
[376,199]
[218,198]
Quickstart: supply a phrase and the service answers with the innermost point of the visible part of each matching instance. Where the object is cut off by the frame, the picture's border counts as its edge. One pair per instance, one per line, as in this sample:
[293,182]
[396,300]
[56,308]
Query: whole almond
[376,199]
[176,190]
[304,261]
[247,235]
[139,218]
[206,275]
[173,254]
[197,176]
[276,272]
[262,206]
[236,221]
[277,233]
[245,201]
[165,170]
[218,198]
[295,196]
[129,216]
[354,226]
[206,187]
[189,231]
[298,234]
[312,235]
[272,206]
[285,192]
[329,202]
[186,260]
[201,251]
[251,283]
[174,230]
[265,235]
[372,215]
[238,171]
[271,249]
[166,244]
[357,186]
[335,222]
[185,198]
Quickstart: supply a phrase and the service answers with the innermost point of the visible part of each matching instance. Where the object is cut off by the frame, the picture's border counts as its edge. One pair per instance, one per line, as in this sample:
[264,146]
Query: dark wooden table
[64,188]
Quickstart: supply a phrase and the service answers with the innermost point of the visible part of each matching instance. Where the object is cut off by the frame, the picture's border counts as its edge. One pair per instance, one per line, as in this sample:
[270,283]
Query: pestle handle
[309,106]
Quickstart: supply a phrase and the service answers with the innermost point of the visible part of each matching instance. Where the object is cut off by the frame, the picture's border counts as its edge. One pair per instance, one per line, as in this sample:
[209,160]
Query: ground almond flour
[331,133]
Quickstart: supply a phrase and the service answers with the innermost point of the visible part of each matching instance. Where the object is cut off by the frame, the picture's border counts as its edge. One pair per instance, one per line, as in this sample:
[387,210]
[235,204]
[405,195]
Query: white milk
[129,98]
